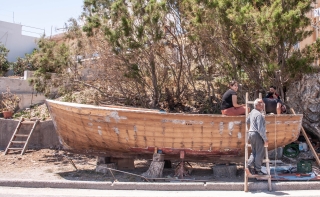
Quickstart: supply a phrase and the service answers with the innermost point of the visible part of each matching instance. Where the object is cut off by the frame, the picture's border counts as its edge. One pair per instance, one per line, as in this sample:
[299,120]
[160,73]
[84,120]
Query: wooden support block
[155,149]
[181,154]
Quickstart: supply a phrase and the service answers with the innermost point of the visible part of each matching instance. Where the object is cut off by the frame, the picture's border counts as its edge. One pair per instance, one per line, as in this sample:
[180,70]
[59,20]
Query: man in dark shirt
[273,103]
[274,106]
[272,94]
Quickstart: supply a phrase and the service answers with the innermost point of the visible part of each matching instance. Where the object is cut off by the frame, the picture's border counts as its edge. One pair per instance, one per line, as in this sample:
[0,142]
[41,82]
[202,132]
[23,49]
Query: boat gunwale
[145,110]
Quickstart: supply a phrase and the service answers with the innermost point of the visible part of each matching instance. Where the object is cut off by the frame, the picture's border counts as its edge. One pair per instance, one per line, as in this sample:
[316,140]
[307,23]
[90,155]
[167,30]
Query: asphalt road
[49,192]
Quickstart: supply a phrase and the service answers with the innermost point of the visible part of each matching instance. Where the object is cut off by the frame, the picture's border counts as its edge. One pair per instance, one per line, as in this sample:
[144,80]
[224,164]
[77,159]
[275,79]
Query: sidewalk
[160,186]
[50,192]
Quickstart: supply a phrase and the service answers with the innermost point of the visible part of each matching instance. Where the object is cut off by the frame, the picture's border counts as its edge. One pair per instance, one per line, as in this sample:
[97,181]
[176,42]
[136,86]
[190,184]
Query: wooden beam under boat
[125,132]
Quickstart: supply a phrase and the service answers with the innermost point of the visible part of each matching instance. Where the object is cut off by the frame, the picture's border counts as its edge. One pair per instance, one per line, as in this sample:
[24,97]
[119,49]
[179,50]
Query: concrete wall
[21,88]
[44,135]
[12,38]
[17,86]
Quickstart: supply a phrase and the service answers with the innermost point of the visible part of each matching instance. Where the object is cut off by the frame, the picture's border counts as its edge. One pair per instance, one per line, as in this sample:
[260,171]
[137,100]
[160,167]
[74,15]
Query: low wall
[23,90]
[26,100]
[16,85]
[44,135]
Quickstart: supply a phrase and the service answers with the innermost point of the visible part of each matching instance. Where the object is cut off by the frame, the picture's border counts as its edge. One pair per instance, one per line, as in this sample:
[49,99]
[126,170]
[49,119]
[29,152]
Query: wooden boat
[125,132]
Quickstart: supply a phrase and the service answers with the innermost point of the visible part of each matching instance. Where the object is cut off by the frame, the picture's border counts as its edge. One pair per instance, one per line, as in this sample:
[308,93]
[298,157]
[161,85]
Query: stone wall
[44,135]
[304,97]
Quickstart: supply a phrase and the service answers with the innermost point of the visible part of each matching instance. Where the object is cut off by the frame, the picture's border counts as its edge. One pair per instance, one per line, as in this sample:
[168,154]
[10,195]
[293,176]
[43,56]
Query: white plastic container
[303,147]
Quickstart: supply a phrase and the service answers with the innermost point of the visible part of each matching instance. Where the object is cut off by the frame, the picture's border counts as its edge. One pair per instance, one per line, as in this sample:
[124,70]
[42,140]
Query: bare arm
[234,101]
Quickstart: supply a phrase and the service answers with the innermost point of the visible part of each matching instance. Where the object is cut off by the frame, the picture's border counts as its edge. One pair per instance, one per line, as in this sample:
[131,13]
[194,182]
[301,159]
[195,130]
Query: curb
[157,186]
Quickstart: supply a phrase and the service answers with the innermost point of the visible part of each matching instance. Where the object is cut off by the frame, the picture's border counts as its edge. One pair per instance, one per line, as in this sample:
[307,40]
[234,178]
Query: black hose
[291,150]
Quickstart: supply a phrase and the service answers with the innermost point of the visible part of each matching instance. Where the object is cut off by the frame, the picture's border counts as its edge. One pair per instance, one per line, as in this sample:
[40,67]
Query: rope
[275,144]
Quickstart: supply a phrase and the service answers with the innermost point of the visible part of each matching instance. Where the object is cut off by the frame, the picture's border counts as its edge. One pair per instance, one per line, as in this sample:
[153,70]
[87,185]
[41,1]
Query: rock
[304,97]
[305,155]
[103,168]
[229,171]
[276,153]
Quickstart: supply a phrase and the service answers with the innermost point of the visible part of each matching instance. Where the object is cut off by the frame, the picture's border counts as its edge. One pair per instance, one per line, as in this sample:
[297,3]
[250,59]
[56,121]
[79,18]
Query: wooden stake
[308,142]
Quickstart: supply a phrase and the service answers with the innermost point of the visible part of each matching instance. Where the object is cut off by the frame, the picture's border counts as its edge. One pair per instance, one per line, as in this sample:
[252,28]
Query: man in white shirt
[257,137]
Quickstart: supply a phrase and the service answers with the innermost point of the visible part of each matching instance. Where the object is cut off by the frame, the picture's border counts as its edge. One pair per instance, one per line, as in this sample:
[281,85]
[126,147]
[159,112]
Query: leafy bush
[9,101]
[22,64]
[4,64]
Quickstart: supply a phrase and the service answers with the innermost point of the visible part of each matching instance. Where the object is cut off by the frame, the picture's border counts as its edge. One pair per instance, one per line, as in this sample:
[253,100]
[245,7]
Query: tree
[150,42]
[4,63]
[51,59]
[134,31]
[152,52]
[22,64]
[255,38]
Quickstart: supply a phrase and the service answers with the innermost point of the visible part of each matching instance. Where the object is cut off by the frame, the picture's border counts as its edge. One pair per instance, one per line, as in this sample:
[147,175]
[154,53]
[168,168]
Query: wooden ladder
[23,136]
[247,173]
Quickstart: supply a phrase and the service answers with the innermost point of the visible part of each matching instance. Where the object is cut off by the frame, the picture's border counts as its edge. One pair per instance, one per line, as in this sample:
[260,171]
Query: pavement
[160,186]
[50,192]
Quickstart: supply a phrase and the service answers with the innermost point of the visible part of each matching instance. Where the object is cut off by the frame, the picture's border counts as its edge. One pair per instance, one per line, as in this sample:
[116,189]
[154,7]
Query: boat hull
[123,132]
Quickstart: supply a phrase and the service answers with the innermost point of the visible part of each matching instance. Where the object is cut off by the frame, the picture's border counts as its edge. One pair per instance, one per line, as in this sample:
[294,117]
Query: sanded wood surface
[134,132]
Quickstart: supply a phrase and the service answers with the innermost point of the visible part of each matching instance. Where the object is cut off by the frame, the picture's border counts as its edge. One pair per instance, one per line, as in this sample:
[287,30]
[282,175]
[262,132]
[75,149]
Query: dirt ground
[48,164]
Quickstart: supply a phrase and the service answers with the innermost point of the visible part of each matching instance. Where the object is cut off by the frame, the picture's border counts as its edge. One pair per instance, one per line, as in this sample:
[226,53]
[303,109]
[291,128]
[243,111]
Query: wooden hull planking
[135,133]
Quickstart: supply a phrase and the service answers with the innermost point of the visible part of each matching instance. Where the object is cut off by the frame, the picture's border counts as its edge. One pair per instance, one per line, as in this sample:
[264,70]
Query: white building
[11,37]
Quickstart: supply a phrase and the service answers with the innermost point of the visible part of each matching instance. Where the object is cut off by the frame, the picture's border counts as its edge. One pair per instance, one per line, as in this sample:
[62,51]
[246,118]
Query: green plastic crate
[304,166]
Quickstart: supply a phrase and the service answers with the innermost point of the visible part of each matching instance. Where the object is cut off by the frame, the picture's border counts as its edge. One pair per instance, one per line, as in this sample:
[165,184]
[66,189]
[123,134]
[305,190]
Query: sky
[46,15]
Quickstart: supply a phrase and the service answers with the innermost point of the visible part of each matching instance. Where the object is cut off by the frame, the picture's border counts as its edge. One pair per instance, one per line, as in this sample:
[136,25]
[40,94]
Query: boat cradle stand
[182,169]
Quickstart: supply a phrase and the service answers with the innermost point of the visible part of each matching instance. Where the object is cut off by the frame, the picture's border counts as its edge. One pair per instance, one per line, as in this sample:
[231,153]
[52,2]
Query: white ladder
[247,173]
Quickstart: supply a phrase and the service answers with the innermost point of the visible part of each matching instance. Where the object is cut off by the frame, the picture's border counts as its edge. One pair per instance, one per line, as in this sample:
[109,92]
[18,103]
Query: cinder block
[124,164]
